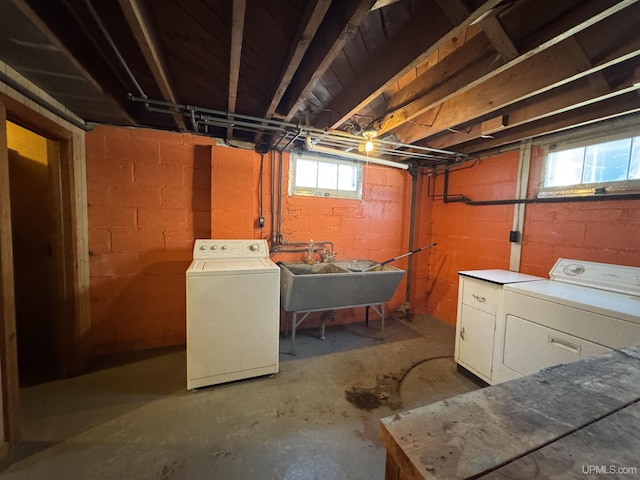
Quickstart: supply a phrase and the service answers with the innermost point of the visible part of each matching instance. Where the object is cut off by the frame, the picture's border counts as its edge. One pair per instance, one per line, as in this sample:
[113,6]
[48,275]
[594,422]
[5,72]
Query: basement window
[599,165]
[316,175]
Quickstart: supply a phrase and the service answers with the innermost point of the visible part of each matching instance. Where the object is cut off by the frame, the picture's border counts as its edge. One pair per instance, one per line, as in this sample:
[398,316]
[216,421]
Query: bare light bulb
[368,146]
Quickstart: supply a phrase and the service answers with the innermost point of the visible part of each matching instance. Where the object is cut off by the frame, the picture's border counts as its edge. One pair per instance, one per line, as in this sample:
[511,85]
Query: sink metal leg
[294,325]
[379,309]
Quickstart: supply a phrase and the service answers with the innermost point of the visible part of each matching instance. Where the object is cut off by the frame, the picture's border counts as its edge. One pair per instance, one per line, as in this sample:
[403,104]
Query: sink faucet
[310,260]
[328,256]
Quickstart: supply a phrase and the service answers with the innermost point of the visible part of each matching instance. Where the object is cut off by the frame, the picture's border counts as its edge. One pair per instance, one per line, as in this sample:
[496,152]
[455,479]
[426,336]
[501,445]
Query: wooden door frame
[68,171]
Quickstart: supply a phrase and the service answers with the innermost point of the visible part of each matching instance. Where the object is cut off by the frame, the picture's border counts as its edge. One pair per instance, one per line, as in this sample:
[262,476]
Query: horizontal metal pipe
[584,198]
[355,156]
[336,138]
[7,80]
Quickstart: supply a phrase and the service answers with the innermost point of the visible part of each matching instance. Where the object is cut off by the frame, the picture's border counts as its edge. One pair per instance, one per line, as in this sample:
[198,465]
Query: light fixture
[369,134]
[352,155]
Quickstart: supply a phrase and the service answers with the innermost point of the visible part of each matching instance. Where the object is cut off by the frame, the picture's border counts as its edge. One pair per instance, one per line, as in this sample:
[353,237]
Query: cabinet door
[476,340]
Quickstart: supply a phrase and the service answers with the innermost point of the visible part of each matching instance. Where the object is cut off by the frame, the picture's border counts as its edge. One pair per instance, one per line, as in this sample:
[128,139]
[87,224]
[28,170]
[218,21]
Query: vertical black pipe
[274,184]
[280,180]
[414,184]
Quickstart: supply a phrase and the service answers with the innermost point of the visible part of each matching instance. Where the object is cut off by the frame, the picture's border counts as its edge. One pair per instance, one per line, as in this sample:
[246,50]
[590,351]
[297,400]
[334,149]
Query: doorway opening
[35,215]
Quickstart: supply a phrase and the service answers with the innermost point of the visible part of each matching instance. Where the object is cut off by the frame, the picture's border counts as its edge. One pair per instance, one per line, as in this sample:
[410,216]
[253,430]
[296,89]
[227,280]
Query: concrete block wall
[151,194]
[606,231]
[149,197]
[477,237]
[375,228]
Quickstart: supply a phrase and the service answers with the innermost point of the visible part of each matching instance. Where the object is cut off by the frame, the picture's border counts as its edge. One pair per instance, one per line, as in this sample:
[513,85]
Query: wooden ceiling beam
[550,70]
[314,13]
[494,31]
[621,105]
[383,3]
[577,94]
[139,23]
[30,14]
[237,34]
[324,51]
[420,38]
[396,118]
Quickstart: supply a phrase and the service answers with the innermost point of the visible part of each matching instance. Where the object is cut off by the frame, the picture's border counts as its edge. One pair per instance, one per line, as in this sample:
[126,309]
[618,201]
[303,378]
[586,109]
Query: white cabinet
[475,328]
[480,323]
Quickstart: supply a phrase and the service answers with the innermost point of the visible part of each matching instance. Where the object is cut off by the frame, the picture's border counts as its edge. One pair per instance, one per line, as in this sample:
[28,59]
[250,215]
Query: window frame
[584,138]
[295,190]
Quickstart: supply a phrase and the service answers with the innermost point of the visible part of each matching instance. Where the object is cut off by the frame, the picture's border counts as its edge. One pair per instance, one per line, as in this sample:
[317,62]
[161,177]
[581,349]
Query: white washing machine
[584,309]
[233,312]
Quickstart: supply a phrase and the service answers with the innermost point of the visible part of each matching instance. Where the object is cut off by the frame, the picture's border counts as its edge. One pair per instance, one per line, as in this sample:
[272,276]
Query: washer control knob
[214,247]
[203,247]
[224,247]
[254,247]
[574,269]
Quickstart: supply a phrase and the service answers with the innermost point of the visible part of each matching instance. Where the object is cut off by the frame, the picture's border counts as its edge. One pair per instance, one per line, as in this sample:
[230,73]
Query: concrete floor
[132,418]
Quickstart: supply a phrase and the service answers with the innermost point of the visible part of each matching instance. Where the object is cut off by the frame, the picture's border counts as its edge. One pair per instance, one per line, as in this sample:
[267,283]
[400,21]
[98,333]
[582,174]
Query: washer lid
[229,267]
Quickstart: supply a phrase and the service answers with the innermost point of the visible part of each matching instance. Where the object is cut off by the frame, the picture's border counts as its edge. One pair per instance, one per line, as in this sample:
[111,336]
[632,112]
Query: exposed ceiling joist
[427,73]
[92,88]
[314,13]
[237,29]
[498,37]
[317,10]
[558,101]
[547,70]
[434,99]
[138,20]
[404,52]
[335,36]
[625,104]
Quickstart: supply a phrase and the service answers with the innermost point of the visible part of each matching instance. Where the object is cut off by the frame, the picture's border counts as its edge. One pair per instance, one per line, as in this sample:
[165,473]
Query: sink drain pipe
[414,184]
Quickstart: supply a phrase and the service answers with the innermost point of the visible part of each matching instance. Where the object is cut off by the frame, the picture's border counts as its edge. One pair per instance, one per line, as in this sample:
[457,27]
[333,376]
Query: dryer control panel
[205,249]
[604,276]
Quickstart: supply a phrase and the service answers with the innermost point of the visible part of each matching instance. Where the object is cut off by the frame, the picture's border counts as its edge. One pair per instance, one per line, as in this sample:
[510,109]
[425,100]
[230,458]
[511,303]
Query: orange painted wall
[476,237]
[149,198]
[375,228]
[151,194]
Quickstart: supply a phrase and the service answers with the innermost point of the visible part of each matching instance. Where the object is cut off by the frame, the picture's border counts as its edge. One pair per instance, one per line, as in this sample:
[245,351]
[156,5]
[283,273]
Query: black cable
[419,363]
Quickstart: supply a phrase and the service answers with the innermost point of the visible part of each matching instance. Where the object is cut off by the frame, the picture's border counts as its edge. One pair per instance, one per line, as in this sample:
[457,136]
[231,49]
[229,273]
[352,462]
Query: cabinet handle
[480,298]
[462,333]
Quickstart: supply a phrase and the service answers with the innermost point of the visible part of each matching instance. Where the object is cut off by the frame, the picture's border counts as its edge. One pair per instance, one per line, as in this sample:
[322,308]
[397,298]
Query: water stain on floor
[384,392]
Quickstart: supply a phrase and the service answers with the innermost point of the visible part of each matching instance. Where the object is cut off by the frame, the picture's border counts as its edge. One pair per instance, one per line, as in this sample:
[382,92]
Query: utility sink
[340,284]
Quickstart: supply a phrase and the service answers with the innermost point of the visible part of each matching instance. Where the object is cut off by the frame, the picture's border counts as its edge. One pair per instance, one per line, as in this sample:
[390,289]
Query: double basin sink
[339,284]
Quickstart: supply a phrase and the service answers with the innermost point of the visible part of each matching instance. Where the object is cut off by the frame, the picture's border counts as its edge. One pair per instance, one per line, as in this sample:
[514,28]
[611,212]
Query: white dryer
[233,312]
[584,309]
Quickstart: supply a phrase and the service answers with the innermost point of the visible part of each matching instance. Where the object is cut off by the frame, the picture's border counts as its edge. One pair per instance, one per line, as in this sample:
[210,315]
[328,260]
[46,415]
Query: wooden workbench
[579,420]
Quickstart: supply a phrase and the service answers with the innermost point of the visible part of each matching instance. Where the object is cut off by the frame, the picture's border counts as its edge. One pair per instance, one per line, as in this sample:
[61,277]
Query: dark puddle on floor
[384,392]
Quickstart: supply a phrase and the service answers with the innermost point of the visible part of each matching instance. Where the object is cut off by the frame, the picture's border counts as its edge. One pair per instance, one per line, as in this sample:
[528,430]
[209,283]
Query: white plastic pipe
[354,156]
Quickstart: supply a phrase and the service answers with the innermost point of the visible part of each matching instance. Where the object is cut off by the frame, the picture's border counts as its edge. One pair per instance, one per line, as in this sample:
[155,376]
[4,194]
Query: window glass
[324,176]
[327,175]
[347,177]
[564,167]
[604,161]
[306,173]
[634,162]
[607,162]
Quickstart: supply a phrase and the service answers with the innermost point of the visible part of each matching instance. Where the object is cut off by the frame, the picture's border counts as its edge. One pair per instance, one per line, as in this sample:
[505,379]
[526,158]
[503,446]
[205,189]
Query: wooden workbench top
[570,420]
